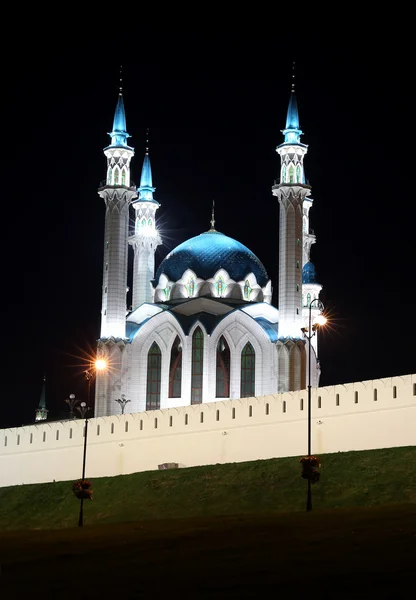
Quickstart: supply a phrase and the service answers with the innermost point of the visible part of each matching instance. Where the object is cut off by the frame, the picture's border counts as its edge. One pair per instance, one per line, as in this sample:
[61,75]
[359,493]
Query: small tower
[146,237]
[291,192]
[41,411]
[117,193]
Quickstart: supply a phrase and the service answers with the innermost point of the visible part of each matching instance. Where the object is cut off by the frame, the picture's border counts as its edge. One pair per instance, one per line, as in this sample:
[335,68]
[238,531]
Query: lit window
[223,369]
[116,176]
[248,371]
[291,174]
[175,371]
[123,177]
[154,365]
[298,174]
[197,366]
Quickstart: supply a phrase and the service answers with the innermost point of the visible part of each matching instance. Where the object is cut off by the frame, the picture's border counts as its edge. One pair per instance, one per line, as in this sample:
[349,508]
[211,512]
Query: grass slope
[351,479]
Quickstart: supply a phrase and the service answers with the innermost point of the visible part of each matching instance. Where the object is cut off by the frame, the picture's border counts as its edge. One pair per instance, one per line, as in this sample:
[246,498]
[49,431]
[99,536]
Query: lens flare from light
[100,364]
[320,320]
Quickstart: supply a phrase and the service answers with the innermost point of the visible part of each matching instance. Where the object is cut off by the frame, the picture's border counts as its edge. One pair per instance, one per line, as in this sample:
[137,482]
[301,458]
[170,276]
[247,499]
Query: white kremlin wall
[354,416]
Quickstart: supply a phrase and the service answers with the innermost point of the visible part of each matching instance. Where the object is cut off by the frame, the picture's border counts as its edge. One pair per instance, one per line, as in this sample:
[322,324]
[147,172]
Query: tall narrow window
[154,364]
[356,397]
[110,175]
[284,174]
[223,369]
[291,174]
[175,370]
[116,176]
[248,371]
[337,400]
[123,177]
[197,366]
[394,391]
[298,174]
[375,394]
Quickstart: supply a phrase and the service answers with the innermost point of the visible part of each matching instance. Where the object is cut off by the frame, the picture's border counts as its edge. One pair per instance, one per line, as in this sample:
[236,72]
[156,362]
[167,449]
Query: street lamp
[72,402]
[122,401]
[83,409]
[309,332]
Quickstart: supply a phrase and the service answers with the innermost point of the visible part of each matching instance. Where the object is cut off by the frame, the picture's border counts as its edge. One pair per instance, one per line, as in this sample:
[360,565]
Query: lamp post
[72,402]
[83,409]
[122,401]
[309,332]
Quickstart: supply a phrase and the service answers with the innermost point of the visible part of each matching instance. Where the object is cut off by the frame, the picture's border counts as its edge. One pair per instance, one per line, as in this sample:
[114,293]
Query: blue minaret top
[292,131]
[146,188]
[119,134]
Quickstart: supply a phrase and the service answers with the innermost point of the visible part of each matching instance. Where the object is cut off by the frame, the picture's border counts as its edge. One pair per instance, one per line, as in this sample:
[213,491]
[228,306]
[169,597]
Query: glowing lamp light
[320,320]
[100,364]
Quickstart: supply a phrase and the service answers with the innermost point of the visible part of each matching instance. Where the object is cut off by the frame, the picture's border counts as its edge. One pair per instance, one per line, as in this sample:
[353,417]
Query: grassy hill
[349,479]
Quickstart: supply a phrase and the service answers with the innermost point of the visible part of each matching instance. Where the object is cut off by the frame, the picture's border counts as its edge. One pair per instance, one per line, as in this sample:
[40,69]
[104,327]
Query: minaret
[41,411]
[146,237]
[291,193]
[117,193]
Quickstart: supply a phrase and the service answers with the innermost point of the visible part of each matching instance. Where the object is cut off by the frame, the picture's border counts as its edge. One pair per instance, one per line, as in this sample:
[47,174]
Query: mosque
[202,328]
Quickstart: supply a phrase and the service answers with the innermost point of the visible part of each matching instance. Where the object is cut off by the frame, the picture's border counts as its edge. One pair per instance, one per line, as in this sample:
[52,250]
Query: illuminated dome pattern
[205,254]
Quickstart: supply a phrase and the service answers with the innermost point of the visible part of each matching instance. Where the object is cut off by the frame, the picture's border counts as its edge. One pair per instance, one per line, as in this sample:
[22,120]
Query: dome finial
[120,89]
[213,217]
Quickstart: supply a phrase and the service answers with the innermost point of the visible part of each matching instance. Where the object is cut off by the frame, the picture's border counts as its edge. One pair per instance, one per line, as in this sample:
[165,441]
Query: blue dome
[205,254]
[308,273]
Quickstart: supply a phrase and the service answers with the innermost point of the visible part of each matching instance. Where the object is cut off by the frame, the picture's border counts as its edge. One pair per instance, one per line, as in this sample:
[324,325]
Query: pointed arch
[284,174]
[123,177]
[116,176]
[197,366]
[294,369]
[248,371]
[283,368]
[298,174]
[175,369]
[154,369]
[222,377]
[291,174]
[110,176]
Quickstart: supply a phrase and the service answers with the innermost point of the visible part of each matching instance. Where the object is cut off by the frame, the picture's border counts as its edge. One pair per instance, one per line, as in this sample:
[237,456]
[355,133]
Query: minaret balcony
[104,184]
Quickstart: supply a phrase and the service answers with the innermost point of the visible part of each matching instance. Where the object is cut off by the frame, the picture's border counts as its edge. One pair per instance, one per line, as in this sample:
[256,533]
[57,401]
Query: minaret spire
[145,238]
[42,411]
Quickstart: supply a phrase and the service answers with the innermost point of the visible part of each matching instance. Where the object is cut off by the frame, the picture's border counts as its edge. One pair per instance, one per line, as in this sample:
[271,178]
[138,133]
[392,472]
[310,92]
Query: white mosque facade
[202,327]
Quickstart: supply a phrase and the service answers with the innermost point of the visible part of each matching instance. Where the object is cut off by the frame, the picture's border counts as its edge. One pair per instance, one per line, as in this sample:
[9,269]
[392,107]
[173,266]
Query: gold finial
[213,216]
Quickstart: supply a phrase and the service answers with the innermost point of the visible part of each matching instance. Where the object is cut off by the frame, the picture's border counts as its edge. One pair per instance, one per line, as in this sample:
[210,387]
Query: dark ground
[364,553]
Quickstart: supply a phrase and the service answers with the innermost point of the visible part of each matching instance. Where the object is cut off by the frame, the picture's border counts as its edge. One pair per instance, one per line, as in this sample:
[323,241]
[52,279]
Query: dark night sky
[215,108]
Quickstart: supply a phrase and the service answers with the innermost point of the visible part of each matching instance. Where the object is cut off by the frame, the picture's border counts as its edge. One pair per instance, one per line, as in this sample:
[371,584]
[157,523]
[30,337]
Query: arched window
[110,175]
[284,174]
[154,363]
[197,366]
[298,174]
[222,389]
[291,174]
[116,176]
[143,222]
[123,177]
[248,371]
[175,370]
[149,222]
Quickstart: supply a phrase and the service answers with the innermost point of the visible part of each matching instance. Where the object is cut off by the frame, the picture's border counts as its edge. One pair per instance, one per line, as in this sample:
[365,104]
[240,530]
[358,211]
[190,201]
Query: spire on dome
[42,411]
[292,130]
[119,133]
[213,217]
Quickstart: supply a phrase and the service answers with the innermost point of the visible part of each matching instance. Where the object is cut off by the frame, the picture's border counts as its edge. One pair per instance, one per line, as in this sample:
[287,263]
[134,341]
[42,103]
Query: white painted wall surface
[53,451]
